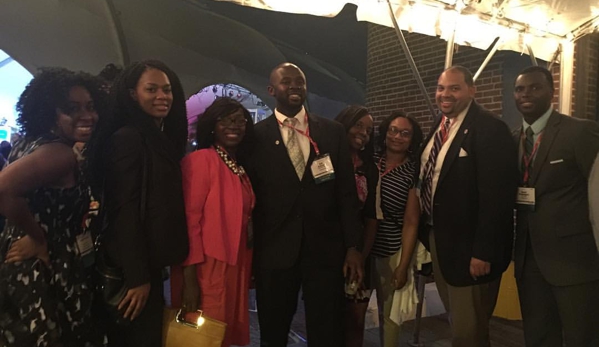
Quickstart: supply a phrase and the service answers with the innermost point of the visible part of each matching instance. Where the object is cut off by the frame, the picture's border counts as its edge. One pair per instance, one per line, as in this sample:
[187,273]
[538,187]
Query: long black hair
[417,137]
[220,108]
[124,110]
[348,117]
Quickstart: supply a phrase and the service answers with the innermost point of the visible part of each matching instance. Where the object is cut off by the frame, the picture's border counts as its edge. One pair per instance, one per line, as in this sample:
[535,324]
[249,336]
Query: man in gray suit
[557,264]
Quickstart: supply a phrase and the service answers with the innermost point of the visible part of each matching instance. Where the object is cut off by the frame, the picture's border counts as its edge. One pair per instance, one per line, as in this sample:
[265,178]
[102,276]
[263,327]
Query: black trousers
[323,293]
[555,315]
[146,329]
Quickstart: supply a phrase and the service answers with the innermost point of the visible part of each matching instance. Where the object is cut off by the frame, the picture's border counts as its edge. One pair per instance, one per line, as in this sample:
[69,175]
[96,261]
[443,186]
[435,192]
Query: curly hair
[124,110]
[49,91]
[417,136]
[220,108]
[348,117]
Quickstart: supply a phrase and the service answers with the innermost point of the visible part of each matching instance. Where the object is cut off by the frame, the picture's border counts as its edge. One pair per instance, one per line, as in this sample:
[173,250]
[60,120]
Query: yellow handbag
[204,332]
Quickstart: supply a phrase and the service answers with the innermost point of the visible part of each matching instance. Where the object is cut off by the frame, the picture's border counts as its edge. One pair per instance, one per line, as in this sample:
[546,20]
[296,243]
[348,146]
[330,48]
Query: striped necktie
[429,167]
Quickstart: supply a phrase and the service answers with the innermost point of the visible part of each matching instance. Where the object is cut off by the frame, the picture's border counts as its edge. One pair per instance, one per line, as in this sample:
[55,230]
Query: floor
[434,331]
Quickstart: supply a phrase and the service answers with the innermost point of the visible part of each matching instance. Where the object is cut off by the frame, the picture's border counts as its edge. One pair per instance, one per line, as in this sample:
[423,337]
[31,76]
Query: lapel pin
[465,131]
[277,142]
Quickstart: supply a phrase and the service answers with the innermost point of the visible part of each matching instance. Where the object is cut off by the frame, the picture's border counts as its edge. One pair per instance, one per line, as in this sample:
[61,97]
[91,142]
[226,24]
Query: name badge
[85,248]
[322,169]
[526,199]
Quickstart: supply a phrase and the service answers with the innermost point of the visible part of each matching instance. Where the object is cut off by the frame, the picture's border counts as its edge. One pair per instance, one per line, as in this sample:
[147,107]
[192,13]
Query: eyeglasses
[227,122]
[404,133]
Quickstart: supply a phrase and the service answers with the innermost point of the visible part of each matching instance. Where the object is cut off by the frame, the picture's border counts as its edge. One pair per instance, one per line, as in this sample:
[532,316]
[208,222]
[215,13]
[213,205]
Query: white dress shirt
[455,124]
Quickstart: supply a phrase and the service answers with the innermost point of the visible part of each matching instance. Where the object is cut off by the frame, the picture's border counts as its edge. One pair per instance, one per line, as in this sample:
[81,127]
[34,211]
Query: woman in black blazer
[135,157]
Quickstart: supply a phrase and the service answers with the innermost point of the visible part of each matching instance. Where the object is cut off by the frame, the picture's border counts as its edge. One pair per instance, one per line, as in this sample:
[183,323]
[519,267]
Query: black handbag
[110,289]
[109,279]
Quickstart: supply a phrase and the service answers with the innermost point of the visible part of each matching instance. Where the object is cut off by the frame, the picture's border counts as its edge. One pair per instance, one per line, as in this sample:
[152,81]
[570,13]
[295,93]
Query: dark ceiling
[340,41]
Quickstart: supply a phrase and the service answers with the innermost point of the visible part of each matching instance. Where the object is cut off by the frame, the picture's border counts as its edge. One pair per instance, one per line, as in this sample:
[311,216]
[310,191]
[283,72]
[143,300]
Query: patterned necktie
[530,142]
[429,167]
[293,147]
[529,145]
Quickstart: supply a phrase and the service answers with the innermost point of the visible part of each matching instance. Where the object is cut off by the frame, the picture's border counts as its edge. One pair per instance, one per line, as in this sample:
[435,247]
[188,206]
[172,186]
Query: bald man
[306,219]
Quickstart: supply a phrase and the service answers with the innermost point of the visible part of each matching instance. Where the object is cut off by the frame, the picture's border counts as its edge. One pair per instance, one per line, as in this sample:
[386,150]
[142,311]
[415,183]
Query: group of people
[295,202]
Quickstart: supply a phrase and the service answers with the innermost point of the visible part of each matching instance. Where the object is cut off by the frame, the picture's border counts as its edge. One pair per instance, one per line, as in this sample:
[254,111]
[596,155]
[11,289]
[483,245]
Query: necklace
[232,164]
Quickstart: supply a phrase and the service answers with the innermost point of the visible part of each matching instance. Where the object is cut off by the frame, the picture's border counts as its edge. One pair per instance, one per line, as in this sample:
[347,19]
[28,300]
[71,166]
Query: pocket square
[463,153]
[556,161]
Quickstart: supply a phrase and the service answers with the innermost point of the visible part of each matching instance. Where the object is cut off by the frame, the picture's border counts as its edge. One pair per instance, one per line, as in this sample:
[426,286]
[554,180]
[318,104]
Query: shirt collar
[300,116]
[539,125]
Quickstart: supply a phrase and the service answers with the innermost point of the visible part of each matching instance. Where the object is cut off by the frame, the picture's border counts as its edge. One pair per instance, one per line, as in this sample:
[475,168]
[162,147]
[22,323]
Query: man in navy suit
[306,219]
[469,177]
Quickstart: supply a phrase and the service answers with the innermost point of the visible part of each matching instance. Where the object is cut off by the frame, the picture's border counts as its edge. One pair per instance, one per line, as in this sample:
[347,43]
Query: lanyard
[305,133]
[528,160]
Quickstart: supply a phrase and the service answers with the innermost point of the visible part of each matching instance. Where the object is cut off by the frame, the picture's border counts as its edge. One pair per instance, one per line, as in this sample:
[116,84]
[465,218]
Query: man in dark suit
[306,220]
[468,186]
[557,265]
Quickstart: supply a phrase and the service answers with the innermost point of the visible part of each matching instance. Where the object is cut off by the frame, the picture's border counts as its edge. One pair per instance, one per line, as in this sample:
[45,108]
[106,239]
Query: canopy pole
[565,77]
[408,54]
[119,33]
[6,61]
[488,58]
[554,58]
[449,50]
[533,60]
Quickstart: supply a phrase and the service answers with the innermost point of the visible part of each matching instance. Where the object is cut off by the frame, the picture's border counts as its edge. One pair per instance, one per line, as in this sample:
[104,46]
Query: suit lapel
[431,134]
[456,144]
[316,135]
[517,136]
[549,134]
[275,142]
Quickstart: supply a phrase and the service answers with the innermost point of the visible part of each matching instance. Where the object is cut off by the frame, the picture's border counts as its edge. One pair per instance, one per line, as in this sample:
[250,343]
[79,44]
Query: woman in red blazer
[218,204]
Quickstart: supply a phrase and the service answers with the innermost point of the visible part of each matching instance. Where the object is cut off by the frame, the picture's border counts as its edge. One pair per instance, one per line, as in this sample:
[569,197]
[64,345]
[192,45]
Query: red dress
[224,287]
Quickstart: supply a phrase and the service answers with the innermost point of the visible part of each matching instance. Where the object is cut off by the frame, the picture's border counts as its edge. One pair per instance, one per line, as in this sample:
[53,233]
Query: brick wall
[586,82]
[391,85]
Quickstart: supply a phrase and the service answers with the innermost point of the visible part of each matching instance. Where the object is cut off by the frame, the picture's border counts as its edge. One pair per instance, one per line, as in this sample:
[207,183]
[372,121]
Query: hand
[353,267]
[135,301]
[27,248]
[191,297]
[479,268]
[400,278]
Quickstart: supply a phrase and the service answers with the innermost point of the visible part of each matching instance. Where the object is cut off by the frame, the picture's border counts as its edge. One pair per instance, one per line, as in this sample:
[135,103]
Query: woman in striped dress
[395,240]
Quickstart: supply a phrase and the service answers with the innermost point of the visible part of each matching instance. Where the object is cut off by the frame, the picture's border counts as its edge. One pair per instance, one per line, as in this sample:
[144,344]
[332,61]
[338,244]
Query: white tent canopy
[541,24]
